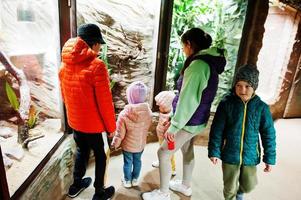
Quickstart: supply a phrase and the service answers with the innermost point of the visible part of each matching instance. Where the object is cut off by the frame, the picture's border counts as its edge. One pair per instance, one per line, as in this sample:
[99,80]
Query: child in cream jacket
[132,129]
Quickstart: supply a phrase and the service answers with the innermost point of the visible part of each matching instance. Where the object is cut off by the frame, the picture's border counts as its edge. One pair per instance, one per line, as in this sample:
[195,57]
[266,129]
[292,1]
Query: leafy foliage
[12,97]
[14,102]
[104,58]
[222,19]
[33,117]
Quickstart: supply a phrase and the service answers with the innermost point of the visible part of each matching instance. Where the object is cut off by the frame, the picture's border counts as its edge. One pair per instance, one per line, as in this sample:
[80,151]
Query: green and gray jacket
[236,129]
[197,88]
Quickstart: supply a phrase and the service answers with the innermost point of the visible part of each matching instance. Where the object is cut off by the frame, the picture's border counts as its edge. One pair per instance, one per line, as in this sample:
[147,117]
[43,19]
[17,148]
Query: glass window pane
[29,37]
[130,30]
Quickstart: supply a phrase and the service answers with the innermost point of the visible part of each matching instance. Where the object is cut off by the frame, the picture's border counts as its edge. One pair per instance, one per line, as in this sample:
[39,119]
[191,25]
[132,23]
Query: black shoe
[76,189]
[105,194]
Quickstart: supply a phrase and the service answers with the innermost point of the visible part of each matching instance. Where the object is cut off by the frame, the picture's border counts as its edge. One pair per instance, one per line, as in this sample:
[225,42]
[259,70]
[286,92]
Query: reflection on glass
[30,117]
[25,11]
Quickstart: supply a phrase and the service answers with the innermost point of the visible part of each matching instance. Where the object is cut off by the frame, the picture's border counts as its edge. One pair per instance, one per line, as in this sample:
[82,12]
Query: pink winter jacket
[132,127]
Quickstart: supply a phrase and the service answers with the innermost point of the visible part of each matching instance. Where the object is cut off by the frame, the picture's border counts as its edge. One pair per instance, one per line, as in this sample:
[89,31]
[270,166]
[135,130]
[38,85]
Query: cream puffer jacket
[162,127]
[132,127]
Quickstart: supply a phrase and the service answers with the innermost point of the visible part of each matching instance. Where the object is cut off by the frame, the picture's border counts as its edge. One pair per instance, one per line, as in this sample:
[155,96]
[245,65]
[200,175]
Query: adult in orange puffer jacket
[86,93]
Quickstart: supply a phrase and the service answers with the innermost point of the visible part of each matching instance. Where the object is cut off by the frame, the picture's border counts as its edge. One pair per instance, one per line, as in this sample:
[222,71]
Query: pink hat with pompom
[164,99]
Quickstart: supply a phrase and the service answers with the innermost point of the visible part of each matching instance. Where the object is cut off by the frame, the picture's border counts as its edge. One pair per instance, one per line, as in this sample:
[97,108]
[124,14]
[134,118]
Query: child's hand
[113,144]
[111,135]
[169,136]
[214,160]
[166,124]
[268,168]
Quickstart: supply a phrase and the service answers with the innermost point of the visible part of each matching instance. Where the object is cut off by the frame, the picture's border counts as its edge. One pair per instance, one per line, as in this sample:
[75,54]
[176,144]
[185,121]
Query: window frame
[67,26]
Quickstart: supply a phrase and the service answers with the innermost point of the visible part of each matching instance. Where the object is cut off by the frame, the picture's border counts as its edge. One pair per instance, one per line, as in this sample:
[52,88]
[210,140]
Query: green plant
[223,19]
[12,97]
[104,58]
[14,102]
[33,117]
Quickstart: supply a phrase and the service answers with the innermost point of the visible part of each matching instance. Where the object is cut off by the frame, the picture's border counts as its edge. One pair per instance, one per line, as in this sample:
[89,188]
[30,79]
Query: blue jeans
[131,165]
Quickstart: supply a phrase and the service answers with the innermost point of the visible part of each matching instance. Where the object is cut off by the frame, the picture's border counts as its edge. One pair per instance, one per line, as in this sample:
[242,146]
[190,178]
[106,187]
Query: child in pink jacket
[132,129]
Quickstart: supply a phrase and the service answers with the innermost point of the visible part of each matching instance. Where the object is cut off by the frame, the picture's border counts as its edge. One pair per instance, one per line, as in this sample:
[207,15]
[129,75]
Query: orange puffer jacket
[85,88]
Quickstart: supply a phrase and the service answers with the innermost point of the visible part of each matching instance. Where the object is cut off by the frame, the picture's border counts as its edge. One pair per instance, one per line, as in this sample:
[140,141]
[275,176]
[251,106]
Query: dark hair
[198,40]
[90,43]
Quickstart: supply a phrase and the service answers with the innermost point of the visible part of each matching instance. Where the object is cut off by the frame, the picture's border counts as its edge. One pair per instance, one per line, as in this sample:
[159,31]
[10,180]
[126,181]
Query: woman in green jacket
[240,120]
[197,87]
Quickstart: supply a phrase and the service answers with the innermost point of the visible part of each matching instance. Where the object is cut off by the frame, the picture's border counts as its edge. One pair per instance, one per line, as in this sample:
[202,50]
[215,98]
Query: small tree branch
[30,139]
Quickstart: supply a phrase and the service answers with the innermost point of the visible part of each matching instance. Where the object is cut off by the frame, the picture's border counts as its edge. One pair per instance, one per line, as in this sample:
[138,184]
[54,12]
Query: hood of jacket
[77,51]
[136,112]
[214,58]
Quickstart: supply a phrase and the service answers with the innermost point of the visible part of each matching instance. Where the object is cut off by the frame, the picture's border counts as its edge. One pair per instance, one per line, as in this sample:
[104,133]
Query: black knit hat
[248,73]
[90,33]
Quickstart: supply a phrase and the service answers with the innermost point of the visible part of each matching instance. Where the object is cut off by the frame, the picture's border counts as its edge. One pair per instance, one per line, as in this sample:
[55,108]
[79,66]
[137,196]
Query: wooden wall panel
[253,31]
[286,101]
[293,105]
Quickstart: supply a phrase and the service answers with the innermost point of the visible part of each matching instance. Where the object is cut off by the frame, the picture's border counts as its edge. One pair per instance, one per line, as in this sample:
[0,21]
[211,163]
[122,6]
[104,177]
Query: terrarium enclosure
[223,20]
[131,34]
[31,114]
[30,59]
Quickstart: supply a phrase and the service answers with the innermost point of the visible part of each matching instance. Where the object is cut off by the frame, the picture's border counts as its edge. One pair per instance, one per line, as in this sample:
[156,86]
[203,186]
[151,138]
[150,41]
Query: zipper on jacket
[225,142]
[242,133]
[257,149]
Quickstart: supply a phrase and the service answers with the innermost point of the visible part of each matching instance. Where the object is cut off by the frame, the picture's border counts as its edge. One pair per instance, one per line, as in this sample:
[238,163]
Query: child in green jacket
[240,120]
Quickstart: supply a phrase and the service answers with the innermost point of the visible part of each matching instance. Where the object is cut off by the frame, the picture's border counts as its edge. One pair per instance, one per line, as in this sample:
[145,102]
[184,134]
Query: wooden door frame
[4,192]
[292,96]
[165,23]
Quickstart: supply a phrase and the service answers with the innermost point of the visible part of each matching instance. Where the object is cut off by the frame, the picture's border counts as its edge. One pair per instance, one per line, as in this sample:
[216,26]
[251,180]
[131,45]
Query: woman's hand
[268,168]
[214,160]
[169,136]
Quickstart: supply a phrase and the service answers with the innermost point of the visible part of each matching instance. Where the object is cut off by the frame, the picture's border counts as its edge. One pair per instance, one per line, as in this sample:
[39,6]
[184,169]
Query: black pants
[85,142]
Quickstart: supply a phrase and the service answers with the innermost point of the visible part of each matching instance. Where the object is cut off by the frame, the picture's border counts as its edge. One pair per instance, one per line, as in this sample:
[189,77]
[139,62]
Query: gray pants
[183,140]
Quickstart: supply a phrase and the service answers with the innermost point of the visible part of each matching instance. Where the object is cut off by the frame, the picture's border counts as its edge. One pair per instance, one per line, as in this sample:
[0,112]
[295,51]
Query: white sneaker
[176,185]
[156,164]
[135,182]
[173,172]
[126,184]
[156,195]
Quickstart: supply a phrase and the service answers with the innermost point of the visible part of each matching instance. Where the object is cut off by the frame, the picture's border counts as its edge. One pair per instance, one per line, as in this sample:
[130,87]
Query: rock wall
[129,29]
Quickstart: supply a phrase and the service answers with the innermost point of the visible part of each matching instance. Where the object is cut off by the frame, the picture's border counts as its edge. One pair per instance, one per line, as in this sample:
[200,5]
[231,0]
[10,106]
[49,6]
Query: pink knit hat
[164,99]
[136,92]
